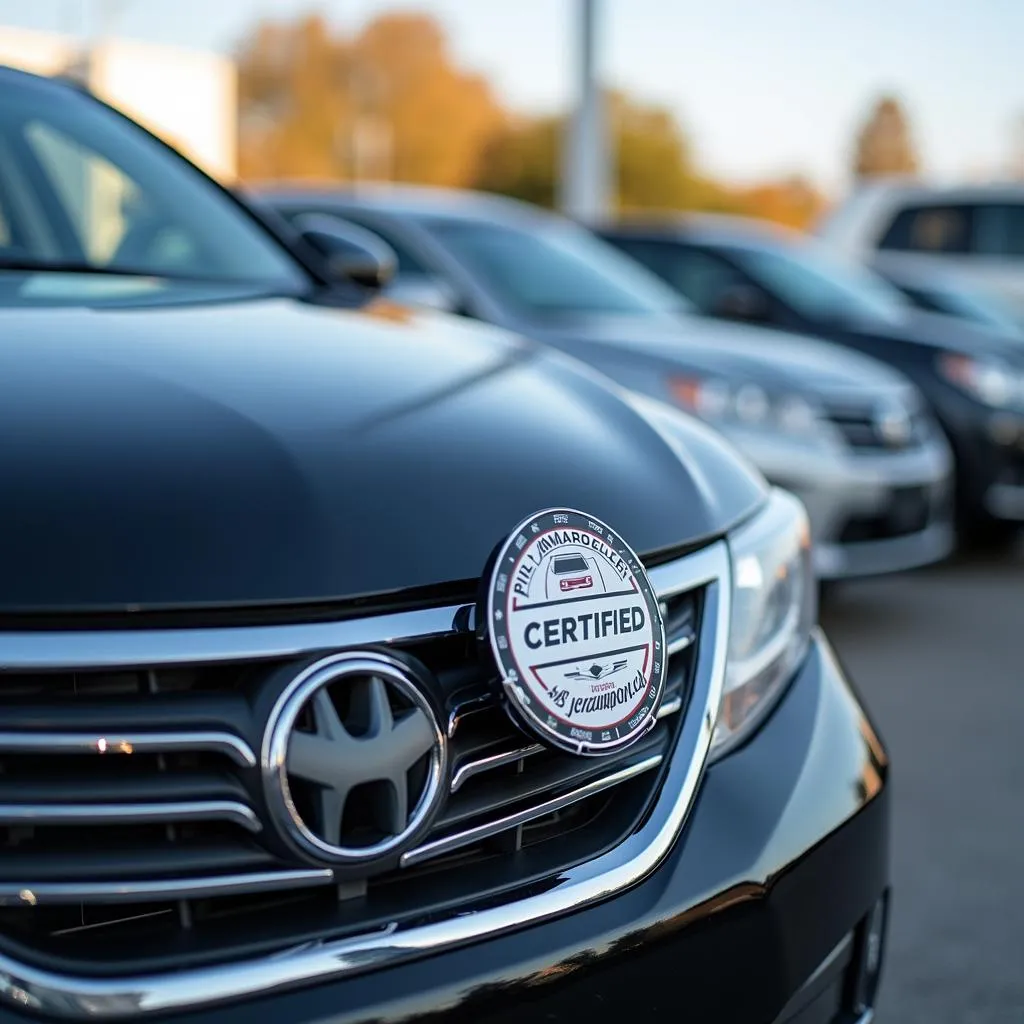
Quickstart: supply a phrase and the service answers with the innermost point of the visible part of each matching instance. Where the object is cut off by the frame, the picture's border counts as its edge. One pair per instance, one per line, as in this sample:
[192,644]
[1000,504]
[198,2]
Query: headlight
[774,606]
[745,405]
[985,379]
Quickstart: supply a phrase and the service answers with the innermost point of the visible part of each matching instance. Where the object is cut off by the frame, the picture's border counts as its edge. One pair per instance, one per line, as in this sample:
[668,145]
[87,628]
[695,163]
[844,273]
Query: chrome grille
[859,428]
[140,757]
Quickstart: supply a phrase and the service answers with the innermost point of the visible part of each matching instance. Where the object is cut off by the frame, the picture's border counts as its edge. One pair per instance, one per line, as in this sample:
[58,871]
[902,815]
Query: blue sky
[764,87]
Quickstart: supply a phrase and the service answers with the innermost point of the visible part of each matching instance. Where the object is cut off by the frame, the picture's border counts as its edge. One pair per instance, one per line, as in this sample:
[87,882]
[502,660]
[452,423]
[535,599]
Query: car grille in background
[909,510]
[133,834]
[859,428]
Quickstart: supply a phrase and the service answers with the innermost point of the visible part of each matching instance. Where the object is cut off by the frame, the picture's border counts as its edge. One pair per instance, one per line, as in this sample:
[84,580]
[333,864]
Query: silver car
[973,233]
[848,435]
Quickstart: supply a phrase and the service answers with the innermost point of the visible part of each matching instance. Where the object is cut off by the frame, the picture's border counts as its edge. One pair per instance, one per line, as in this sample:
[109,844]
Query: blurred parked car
[846,434]
[940,292]
[749,271]
[975,232]
[276,744]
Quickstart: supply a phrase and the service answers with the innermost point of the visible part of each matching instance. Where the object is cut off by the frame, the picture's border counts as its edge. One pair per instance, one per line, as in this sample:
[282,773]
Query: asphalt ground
[938,656]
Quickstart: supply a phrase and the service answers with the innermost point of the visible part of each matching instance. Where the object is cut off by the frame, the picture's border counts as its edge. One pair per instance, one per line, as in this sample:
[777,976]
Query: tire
[981,534]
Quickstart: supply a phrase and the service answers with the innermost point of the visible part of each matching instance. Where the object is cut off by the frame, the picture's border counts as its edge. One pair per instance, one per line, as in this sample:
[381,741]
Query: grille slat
[41,814]
[162,890]
[114,741]
[500,759]
[492,796]
[136,865]
[116,788]
[604,780]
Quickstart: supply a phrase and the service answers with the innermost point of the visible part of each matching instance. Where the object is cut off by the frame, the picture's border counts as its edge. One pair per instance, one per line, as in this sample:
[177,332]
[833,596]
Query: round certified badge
[577,632]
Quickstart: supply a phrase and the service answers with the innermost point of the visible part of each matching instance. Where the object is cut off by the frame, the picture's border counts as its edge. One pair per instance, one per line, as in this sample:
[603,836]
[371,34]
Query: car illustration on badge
[577,633]
[573,571]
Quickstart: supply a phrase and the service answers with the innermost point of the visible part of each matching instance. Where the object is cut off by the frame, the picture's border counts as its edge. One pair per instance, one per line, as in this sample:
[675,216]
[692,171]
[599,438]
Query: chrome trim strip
[485,764]
[44,991]
[844,946]
[455,840]
[113,814]
[680,643]
[128,743]
[670,707]
[58,651]
[33,894]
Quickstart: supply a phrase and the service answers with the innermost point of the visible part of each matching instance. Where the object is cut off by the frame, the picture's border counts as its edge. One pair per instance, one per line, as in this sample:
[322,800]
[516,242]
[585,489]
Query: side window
[931,229]
[113,219]
[999,230]
[700,276]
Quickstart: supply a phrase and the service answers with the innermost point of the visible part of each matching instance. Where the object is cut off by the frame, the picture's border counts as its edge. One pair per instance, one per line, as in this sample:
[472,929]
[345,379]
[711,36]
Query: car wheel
[982,533]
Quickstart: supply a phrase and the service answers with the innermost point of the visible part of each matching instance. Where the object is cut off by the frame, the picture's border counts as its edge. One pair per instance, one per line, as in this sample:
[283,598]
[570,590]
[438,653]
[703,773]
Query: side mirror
[742,302]
[351,253]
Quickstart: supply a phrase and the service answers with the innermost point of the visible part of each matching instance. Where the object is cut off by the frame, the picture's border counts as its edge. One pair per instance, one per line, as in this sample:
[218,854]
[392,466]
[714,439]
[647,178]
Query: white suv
[973,232]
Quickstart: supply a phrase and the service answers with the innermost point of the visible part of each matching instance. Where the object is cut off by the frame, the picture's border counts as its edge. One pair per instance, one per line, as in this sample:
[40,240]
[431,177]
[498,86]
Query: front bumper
[783,858]
[857,503]
[989,449]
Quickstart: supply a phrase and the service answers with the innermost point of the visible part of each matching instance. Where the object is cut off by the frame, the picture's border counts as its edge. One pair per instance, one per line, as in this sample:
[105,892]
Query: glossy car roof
[407,200]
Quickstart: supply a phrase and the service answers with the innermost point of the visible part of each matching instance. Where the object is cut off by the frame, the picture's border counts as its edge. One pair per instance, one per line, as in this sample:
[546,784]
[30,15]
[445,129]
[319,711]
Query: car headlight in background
[988,380]
[774,606]
[745,405]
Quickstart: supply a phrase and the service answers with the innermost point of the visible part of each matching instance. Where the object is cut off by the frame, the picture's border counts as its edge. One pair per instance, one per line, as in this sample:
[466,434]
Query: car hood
[705,346]
[275,452]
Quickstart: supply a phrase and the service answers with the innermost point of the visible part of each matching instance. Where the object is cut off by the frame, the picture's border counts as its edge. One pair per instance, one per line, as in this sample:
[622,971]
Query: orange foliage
[392,103]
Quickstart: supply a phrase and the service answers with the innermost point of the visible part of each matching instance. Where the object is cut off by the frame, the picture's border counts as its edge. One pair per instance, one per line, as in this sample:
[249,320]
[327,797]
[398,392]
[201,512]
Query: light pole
[586,163]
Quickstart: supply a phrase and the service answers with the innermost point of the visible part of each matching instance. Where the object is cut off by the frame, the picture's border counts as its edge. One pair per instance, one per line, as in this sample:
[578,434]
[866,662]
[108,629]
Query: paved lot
[939,657]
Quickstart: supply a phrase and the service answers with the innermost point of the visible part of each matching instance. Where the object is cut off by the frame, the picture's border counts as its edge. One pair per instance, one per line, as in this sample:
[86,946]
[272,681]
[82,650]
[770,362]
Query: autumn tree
[885,144]
[794,201]
[293,101]
[439,115]
[521,159]
[389,102]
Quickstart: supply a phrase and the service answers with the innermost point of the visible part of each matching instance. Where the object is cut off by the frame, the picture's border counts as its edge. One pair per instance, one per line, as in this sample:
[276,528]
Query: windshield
[818,284]
[83,189]
[975,306]
[554,268]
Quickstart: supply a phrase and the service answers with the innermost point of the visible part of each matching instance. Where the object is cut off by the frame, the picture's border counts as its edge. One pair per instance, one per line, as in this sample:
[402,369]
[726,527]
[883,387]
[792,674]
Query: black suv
[290,729]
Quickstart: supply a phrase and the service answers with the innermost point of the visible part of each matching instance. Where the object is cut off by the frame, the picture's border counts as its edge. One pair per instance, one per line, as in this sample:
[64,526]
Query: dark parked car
[940,292]
[289,728]
[850,437]
[972,377]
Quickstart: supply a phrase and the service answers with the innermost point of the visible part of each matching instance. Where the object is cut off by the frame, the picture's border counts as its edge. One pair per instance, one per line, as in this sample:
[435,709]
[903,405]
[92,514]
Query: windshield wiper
[66,267]
[37,266]
[83,266]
